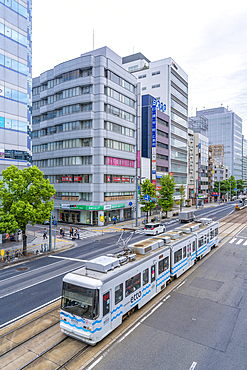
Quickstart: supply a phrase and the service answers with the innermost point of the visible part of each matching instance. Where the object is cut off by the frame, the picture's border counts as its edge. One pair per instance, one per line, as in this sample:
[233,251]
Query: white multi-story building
[168,83]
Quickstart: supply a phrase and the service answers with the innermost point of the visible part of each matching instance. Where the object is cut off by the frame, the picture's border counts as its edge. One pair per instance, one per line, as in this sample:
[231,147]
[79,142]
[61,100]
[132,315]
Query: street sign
[54,222]
[146,197]
[130,203]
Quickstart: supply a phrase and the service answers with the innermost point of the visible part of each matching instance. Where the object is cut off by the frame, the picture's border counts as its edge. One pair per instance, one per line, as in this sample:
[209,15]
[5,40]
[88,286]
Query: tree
[147,188]
[25,196]
[233,185]
[166,201]
[240,186]
[182,196]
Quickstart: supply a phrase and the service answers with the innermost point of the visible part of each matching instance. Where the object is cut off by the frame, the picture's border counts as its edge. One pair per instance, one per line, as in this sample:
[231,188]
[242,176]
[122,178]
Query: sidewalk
[37,246]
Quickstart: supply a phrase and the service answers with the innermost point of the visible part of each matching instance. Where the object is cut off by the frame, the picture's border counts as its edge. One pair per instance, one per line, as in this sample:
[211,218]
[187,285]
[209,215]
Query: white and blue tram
[96,298]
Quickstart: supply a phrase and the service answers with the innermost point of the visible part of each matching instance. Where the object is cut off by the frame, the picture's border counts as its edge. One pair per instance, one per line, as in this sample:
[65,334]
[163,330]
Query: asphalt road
[201,325]
[40,281]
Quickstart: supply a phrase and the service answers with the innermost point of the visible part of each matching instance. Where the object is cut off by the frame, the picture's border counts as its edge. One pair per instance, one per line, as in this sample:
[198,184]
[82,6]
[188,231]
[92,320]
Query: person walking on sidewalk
[45,234]
[71,232]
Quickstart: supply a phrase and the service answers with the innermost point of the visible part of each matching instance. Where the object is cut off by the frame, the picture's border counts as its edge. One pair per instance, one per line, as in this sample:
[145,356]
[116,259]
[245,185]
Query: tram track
[39,344]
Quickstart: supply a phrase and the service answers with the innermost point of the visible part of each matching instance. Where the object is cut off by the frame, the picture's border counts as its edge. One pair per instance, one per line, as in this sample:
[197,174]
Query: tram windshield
[80,301]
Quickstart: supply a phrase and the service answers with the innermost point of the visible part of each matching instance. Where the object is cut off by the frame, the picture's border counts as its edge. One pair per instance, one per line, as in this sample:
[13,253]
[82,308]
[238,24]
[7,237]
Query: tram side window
[163,265]
[106,303]
[132,284]
[145,277]
[216,231]
[178,255]
[184,252]
[211,234]
[152,273]
[118,293]
[194,246]
[205,239]
[200,242]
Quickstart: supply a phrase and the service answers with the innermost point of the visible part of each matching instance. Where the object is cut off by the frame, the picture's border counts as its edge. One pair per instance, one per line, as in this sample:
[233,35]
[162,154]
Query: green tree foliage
[233,186]
[240,185]
[147,188]
[166,201]
[182,196]
[25,196]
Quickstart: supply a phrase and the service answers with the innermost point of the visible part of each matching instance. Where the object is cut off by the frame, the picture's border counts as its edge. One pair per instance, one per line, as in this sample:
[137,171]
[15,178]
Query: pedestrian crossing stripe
[239,241]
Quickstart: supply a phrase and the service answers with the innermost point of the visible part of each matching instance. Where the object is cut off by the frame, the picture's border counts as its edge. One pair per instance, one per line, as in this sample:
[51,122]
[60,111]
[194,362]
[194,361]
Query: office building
[168,84]
[155,139]
[15,83]
[85,136]
[244,164]
[225,128]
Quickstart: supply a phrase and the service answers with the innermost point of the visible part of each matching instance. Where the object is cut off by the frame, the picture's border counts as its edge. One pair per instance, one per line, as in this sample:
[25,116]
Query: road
[40,281]
[200,325]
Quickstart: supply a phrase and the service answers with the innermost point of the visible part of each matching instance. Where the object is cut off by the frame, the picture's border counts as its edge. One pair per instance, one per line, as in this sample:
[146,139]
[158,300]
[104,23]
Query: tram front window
[80,301]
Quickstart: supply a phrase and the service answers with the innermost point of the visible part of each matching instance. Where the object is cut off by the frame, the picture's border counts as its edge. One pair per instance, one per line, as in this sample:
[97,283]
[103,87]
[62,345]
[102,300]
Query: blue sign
[54,222]
[235,189]
[146,197]
[130,203]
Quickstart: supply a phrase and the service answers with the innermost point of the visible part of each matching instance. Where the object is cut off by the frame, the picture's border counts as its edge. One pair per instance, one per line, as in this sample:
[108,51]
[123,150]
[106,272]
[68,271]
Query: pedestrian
[71,232]
[63,232]
[114,220]
[78,233]
[19,236]
[45,234]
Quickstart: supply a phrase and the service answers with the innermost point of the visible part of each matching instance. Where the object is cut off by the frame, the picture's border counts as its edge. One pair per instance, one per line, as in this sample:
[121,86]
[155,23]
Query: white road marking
[232,241]
[41,281]
[29,312]
[245,243]
[239,241]
[68,258]
[193,365]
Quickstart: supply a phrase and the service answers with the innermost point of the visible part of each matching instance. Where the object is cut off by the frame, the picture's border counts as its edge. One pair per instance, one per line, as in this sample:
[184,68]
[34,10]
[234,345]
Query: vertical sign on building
[154,142]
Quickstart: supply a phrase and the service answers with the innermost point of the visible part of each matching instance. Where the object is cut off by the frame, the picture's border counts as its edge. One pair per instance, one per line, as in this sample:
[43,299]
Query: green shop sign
[90,208]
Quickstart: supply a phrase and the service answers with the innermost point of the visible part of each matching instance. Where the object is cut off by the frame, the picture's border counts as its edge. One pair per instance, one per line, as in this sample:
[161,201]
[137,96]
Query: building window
[108,143]
[156,73]
[155,86]
[113,161]
[118,195]
[144,88]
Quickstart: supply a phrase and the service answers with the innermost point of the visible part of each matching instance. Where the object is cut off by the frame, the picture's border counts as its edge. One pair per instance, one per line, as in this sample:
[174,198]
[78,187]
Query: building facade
[155,139]
[168,83]
[244,164]
[84,136]
[225,127]
[15,83]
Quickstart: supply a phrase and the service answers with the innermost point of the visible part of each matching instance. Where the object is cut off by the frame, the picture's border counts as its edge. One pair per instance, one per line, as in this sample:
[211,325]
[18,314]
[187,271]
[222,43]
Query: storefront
[93,215]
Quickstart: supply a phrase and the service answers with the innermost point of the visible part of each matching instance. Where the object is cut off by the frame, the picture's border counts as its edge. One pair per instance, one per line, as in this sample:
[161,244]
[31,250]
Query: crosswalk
[238,241]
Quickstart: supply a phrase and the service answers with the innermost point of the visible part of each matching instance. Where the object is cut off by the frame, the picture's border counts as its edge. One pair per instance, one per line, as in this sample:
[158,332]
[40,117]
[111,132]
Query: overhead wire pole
[219,192]
[196,192]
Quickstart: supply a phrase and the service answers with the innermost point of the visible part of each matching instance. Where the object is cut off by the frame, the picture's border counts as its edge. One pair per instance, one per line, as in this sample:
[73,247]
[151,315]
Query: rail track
[36,342]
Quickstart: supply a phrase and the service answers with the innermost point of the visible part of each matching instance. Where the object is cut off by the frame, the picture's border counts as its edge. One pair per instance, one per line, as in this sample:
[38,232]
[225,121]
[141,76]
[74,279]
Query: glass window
[178,256]
[106,303]
[145,278]
[163,265]
[184,252]
[118,293]
[132,284]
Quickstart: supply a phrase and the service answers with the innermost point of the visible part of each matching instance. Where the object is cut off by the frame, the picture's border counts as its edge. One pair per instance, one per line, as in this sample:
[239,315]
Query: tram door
[189,254]
[153,279]
[107,311]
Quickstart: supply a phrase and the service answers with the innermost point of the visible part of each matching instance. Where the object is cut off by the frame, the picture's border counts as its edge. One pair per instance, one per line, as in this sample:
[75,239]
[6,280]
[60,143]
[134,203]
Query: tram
[99,296]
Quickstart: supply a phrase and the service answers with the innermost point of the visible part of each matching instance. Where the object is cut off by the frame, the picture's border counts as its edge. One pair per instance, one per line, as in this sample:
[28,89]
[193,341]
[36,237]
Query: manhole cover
[22,269]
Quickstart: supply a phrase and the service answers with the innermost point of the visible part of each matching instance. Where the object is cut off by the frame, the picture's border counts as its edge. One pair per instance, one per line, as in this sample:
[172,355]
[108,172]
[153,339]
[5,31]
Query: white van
[154,228]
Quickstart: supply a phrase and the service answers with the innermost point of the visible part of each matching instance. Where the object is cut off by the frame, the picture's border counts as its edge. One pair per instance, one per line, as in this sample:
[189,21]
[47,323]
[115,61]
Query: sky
[208,40]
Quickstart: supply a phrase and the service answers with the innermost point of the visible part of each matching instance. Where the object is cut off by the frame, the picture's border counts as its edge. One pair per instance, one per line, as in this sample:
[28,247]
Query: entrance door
[107,311]
[189,254]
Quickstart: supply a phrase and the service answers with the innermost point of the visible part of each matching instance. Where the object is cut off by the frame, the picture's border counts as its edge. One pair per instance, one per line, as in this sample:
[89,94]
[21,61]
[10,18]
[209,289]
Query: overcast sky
[207,39]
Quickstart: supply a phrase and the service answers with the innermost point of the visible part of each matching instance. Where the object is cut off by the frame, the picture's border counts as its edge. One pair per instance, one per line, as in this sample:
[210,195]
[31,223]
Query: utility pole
[50,234]
[136,201]
[219,192]
[230,190]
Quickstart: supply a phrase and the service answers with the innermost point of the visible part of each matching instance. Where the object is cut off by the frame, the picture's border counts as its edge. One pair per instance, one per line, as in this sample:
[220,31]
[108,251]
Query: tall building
[85,136]
[225,127]
[168,83]
[15,83]
[155,139]
[244,165]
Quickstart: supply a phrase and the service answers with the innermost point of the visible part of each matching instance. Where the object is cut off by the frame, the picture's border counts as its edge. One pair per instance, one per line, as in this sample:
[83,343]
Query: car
[154,228]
